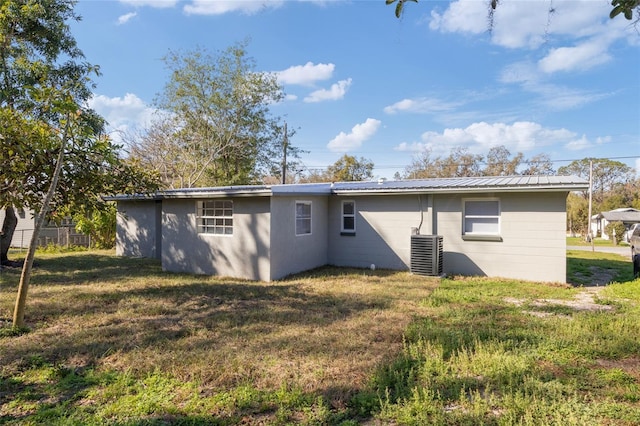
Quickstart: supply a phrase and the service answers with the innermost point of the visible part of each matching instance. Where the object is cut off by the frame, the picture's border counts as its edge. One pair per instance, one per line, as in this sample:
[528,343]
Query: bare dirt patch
[630,366]
[583,301]
[597,276]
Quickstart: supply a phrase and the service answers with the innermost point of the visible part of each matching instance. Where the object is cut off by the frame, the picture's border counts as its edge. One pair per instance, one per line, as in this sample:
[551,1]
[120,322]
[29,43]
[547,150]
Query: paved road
[624,251]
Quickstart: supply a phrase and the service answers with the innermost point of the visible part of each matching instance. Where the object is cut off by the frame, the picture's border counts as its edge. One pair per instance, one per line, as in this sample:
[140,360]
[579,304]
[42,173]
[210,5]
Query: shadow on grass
[82,267]
[590,269]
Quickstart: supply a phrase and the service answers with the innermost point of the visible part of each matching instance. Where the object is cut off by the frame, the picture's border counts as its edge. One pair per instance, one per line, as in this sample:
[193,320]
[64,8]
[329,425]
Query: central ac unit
[426,255]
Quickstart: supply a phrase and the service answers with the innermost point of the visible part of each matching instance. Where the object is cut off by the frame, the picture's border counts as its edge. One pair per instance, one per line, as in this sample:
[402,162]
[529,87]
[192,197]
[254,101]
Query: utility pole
[590,203]
[284,156]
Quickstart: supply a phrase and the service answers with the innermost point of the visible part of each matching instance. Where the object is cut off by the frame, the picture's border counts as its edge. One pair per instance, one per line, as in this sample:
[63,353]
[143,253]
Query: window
[303,217]
[348,217]
[215,217]
[481,218]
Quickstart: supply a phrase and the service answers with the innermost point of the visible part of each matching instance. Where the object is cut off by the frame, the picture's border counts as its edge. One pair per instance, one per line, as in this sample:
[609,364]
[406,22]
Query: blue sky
[362,82]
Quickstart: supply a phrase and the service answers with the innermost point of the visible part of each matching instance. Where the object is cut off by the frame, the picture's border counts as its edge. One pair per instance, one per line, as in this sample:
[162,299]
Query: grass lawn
[579,241]
[117,341]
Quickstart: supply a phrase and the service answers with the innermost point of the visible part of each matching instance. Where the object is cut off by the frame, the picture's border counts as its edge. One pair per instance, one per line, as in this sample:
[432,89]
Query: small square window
[215,217]
[481,217]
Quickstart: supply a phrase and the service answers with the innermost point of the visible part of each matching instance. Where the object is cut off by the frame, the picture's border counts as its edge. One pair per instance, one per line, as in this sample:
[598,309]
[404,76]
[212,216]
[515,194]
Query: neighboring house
[50,233]
[599,222]
[24,228]
[510,227]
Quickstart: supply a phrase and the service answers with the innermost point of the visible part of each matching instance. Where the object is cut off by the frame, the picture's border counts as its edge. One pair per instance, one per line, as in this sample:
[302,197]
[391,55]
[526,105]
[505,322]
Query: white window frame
[303,218]
[344,215]
[485,235]
[214,217]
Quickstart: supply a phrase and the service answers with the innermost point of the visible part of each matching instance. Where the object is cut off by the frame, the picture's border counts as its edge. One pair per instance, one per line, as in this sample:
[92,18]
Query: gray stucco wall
[533,231]
[383,231]
[245,254]
[533,245]
[138,229]
[291,253]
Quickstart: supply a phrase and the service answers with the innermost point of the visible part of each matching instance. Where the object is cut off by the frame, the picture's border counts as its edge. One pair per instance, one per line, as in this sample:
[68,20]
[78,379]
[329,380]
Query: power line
[393,166]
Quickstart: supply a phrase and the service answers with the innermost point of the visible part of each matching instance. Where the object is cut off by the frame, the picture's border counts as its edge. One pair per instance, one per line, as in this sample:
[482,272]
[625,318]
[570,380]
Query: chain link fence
[63,236]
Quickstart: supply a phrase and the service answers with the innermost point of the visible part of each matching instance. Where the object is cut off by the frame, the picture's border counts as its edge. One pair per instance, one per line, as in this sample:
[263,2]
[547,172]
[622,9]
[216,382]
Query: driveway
[623,251]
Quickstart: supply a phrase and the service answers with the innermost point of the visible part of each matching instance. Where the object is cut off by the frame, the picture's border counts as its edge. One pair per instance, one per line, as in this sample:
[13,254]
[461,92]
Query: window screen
[481,217]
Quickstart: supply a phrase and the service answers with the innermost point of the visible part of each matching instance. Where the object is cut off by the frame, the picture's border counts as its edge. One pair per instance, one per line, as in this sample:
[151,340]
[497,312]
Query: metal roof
[466,184]
[381,187]
[621,215]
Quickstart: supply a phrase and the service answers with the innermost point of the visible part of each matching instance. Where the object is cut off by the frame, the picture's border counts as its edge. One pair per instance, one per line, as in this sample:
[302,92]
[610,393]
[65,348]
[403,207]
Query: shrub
[619,229]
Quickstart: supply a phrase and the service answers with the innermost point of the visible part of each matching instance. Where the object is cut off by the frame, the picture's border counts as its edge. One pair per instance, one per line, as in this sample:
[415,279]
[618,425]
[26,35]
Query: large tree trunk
[8,228]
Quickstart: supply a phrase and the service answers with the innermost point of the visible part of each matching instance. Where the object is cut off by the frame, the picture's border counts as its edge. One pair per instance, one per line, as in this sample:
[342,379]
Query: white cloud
[461,17]
[337,91]
[577,58]
[359,133]
[525,24]
[126,18]
[306,74]
[551,96]
[420,105]
[559,98]
[579,144]
[151,3]
[412,147]
[582,143]
[123,114]
[220,7]
[480,137]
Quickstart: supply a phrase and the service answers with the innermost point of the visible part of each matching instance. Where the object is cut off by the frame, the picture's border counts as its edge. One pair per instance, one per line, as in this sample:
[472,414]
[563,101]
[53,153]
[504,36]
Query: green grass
[587,267]
[579,241]
[118,341]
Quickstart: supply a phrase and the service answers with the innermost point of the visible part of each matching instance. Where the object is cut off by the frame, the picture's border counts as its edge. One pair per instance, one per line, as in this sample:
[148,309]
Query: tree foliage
[54,152]
[346,169]
[462,163]
[607,175]
[214,125]
[620,7]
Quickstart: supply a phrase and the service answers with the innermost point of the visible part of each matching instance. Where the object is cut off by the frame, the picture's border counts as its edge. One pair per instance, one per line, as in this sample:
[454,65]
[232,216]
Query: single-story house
[512,227]
[51,233]
[24,228]
[627,215]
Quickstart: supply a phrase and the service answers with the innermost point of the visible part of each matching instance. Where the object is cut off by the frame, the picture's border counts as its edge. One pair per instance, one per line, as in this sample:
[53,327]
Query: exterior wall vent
[426,255]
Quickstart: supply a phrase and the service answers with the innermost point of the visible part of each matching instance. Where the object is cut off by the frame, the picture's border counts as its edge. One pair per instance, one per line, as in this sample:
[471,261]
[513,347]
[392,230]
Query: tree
[577,214]
[350,169]
[606,174]
[538,165]
[620,7]
[346,169]
[500,163]
[461,163]
[55,148]
[399,5]
[215,127]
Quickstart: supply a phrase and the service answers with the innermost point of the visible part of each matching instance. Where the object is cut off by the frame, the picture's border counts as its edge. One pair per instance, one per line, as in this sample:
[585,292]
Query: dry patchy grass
[324,333]
[118,341]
